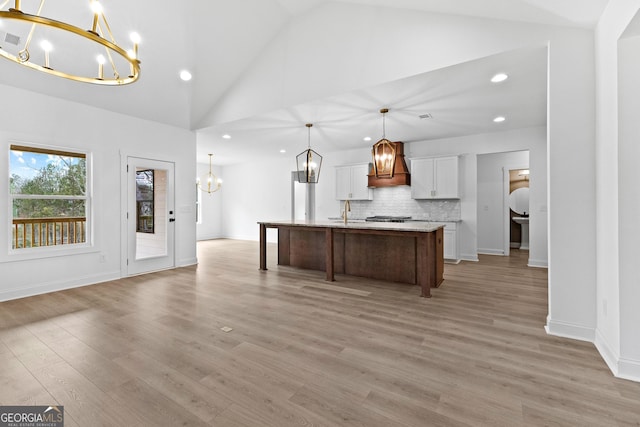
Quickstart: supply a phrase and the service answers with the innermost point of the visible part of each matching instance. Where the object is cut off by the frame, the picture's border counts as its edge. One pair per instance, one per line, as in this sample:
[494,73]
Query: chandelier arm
[108,51]
[30,36]
[106,24]
[113,64]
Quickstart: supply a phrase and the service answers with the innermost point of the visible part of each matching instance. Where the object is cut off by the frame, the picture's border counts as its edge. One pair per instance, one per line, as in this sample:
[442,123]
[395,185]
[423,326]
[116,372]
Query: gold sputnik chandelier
[209,183]
[65,50]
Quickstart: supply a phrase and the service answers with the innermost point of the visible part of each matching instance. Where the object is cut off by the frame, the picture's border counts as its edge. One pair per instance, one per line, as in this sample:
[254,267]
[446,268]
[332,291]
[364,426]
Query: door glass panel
[144,201]
[151,213]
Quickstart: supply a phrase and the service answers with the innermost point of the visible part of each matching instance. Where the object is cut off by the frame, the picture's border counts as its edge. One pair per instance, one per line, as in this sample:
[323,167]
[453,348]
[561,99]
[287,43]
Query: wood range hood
[389,167]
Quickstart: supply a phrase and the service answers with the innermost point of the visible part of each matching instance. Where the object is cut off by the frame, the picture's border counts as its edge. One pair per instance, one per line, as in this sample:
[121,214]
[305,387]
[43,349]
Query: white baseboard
[570,330]
[539,263]
[610,356]
[208,237]
[58,285]
[469,257]
[491,251]
[627,369]
[187,262]
[451,261]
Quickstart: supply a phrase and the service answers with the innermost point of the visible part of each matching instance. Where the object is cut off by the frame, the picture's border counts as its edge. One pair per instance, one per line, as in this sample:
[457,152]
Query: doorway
[150,215]
[493,211]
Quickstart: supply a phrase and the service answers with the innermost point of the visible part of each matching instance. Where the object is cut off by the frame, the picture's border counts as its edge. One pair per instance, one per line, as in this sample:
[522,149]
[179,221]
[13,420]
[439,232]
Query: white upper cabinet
[352,181]
[434,178]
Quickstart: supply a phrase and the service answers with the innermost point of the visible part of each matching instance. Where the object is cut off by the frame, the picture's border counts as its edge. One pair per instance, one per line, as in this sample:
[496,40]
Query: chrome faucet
[347,208]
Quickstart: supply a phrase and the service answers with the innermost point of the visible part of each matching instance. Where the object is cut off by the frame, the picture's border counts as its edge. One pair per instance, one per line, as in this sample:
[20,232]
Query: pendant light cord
[309,125]
[384,111]
[384,127]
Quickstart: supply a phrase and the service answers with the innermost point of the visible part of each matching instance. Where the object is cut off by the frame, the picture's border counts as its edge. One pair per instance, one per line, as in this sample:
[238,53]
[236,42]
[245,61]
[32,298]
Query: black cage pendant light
[309,162]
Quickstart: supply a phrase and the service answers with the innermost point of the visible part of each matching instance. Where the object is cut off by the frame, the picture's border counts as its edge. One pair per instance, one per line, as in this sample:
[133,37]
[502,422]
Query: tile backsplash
[397,201]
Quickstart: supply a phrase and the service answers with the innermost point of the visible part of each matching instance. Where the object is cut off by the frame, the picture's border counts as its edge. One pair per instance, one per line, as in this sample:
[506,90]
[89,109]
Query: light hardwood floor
[149,351]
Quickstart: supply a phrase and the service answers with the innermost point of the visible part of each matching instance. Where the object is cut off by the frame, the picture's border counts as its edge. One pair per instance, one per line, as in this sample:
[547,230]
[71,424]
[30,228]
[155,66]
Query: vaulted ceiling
[219,40]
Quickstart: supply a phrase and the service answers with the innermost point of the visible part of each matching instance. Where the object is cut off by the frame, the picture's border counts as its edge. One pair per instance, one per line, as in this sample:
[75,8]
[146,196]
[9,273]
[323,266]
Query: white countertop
[359,219]
[419,226]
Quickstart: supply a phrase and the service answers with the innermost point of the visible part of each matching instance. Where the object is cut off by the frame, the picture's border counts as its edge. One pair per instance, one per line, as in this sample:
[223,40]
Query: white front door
[150,215]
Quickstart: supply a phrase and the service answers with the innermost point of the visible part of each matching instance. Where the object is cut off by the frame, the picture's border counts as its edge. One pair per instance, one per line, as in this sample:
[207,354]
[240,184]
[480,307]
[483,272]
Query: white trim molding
[627,369]
[569,330]
[484,251]
[187,262]
[58,285]
[538,263]
[469,257]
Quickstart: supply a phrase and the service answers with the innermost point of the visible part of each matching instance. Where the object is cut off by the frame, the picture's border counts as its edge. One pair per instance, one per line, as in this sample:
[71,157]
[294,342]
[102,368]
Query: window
[48,197]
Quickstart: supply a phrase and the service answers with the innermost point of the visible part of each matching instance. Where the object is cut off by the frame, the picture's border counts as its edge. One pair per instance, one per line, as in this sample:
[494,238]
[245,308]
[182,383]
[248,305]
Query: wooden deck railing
[35,232]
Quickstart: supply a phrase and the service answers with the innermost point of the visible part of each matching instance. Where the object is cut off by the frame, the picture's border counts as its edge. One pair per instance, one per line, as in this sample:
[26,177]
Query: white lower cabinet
[450,241]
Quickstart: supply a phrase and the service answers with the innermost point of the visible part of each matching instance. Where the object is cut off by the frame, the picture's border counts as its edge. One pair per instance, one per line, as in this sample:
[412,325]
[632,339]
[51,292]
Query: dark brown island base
[410,252]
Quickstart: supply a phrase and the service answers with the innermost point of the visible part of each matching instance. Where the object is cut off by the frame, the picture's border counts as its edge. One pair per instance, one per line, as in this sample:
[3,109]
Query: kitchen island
[409,252]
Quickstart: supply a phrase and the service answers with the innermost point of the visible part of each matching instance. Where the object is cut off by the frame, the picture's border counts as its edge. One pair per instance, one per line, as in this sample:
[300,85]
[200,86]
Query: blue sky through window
[28,164]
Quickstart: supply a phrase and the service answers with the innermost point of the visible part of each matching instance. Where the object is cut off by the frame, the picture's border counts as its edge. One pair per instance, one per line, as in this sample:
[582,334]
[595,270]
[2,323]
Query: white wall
[491,206]
[211,225]
[35,118]
[257,191]
[629,199]
[617,233]
[468,228]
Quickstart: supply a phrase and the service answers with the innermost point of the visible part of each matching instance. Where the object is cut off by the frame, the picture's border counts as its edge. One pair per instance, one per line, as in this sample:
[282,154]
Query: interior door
[150,215]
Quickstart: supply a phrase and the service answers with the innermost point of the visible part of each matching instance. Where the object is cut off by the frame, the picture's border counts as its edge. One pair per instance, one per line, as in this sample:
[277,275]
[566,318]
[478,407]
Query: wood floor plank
[149,350]
[204,403]
[81,399]
[408,412]
[147,403]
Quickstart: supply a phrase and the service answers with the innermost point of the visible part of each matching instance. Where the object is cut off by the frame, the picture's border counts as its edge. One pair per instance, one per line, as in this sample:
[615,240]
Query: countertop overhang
[413,226]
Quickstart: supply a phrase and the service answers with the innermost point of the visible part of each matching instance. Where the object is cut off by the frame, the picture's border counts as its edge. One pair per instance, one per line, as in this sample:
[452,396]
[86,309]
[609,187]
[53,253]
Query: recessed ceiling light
[283,151]
[500,77]
[367,138]
[499,119]
[226,136]
[185,75]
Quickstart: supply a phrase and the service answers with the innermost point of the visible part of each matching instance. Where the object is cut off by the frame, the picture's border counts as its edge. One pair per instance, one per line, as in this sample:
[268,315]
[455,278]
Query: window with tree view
[48,196]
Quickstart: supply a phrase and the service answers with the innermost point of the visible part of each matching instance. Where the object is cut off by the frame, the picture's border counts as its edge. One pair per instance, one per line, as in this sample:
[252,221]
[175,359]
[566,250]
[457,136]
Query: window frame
[51,250]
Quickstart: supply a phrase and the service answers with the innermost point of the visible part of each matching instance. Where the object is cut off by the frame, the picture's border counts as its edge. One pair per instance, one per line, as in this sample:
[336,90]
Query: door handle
[172,220]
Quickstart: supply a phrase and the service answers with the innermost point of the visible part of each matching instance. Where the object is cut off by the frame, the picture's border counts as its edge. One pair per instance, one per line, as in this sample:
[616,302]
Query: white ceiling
[219,39]
[461,100]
